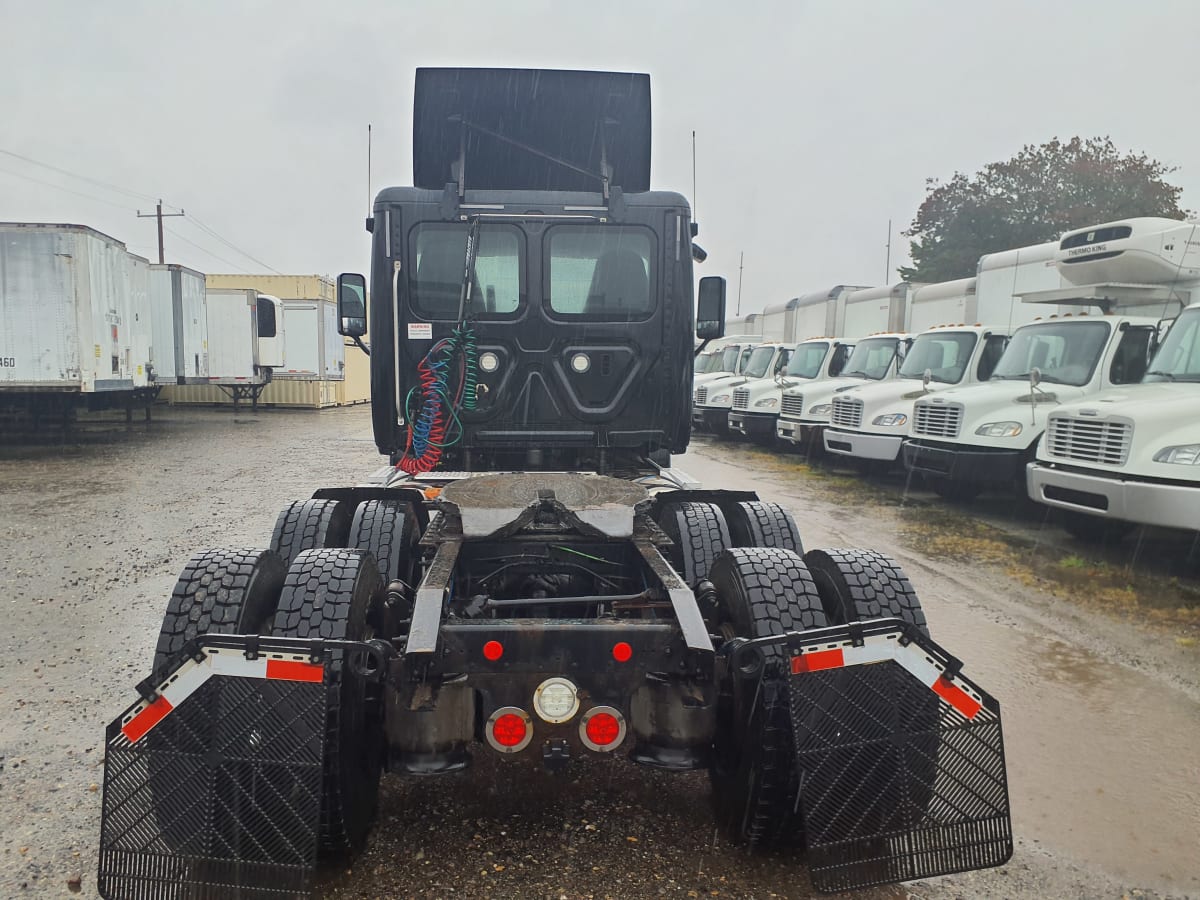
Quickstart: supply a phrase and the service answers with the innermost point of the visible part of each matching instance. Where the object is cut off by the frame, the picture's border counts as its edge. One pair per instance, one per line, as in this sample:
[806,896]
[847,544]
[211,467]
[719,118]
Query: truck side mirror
[352,305]
[710,308]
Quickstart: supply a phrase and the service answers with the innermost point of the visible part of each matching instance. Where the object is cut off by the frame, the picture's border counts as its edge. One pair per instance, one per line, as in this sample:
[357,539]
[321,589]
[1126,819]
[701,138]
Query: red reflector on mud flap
[135,729]
[957,697]
[294,670]
[818,660]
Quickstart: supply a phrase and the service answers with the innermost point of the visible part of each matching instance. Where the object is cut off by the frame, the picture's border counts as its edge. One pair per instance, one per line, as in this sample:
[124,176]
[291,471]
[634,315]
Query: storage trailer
[530,578]
[180,316]
[75,325]
[245,341]
[312,347]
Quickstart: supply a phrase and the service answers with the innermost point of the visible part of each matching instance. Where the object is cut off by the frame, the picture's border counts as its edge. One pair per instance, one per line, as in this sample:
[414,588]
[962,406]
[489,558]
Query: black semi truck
[529,576]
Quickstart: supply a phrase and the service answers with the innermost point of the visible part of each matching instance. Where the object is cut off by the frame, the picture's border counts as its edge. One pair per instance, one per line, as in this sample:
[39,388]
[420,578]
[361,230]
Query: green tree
[1032,198]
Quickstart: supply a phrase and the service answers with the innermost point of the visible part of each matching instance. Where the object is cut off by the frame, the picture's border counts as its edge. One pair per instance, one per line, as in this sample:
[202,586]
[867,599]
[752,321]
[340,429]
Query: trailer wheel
[308,524]
[389,530]
[857,585]
[699,532]
[220,592]
[761,591]
[756,523]
[328,593]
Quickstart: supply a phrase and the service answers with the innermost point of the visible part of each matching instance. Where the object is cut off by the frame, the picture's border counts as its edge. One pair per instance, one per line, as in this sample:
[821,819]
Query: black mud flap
[213,781]
[900,757]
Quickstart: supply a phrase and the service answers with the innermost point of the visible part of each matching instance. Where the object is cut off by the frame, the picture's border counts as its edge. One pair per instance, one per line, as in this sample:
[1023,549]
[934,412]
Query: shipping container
[313,349]
[287,287]
[73,311]
[180,336]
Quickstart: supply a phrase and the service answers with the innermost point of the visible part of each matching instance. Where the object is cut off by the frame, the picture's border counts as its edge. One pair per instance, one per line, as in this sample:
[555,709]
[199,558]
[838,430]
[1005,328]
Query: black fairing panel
[635,392]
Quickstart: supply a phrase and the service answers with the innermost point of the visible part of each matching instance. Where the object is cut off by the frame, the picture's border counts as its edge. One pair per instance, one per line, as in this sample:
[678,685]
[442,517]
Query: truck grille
[793,404]
[1089,440]
[741,398]
[847,413]
[701,396]
[937,419]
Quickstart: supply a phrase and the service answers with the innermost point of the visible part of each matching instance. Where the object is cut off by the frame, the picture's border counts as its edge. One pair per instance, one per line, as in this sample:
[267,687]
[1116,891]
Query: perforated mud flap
[212,785]
[901,759]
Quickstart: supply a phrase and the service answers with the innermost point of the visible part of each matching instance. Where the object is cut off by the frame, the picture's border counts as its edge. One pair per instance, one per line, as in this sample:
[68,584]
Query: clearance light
[602,729]
[509,729]
[581,363]
[489,362]
[493,650]
[622,652]
[556,700]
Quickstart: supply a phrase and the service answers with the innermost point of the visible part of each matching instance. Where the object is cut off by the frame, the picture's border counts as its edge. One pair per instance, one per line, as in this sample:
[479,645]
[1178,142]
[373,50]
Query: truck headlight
[821,411]
[767,403]
[1183,455]
[999,429]
[891,420]
[719,399]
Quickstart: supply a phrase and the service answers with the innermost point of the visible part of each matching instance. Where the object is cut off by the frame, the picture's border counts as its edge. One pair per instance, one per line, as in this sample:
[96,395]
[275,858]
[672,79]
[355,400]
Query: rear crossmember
[213,777]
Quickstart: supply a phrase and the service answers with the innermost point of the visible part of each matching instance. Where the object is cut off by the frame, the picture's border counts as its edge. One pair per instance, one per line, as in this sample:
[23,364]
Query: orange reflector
[622,652]
[603,728]
[493,650]
[432,493]
[509,730]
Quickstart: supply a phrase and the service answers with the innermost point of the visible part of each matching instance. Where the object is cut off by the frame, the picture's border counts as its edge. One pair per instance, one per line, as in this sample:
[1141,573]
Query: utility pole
[160,215]
[741,259]
[887,275]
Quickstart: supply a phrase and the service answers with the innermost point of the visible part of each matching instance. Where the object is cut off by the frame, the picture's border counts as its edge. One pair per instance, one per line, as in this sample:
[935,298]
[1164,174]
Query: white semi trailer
[245,341]
[178,308]
[312,347]
[74,320]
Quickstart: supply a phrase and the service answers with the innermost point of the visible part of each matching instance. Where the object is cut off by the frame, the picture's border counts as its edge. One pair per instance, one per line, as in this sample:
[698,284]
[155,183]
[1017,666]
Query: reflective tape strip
[191,675]
[880,648]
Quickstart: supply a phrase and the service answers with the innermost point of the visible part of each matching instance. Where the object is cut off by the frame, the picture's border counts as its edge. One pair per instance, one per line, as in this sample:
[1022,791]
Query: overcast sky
[816,122]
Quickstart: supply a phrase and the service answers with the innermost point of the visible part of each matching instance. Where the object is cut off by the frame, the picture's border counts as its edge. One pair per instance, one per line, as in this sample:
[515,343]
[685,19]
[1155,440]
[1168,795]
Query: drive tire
[859,585]
[755,782]
[309,524]
[220,591]
[757,523]
[389,531]
[328,593]
[699,532]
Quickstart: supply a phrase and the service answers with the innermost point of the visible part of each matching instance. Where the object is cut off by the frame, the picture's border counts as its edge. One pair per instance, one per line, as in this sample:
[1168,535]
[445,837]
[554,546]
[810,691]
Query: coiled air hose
[435,424]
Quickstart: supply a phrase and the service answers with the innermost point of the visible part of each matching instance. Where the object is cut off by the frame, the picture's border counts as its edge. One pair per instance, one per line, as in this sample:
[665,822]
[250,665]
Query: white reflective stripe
[914,661]
[235,663]
[186,682]
[871,652]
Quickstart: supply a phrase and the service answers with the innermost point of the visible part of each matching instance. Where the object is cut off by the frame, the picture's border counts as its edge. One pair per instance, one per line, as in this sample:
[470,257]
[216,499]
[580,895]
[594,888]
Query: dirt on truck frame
[529,576]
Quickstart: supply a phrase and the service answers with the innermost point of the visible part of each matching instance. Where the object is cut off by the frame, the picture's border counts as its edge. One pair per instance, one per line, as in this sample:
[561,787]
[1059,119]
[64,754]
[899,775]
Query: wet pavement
[1102,712]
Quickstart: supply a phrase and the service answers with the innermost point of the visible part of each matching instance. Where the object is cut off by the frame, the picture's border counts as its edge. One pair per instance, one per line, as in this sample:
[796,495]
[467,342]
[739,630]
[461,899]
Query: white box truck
[73,317]
[179,312]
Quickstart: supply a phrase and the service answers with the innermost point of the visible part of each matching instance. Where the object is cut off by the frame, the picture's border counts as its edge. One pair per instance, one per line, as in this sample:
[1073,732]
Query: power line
[212,233]
[67,190]
[61,171]
[206,252]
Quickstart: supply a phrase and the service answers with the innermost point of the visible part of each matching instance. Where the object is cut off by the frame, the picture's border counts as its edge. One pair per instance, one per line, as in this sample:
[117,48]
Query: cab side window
[993,349]
[1133,355]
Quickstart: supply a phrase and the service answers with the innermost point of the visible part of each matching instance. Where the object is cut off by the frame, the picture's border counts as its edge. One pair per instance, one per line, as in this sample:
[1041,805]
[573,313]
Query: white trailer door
[39,333]
[335,347]
[191,333]
[301,341]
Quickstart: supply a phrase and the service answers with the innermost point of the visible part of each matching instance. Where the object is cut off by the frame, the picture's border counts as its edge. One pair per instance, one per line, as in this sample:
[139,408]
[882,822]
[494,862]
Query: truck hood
[998,401]
[821,391]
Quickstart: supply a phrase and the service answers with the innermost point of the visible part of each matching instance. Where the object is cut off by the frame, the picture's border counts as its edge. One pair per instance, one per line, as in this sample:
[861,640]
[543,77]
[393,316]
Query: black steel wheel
[328,593]
[761,591]
[700,533]
[757,523]
[308,524]
[220,591]
[857,585]
[389,530]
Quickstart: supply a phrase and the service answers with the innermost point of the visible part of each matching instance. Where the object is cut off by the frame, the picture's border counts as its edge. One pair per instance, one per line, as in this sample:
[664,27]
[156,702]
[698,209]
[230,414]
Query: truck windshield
[706,362]
[806,360]
[1063,352]
[439,259]
[760,361]
[944,354]
[1179,357]
[729,358]
[601,271]
[871,358]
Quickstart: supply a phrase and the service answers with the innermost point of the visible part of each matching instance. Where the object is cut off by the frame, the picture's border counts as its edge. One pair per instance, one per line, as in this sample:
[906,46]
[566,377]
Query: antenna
[368,169]
[887,275]
[694,205]
[741,259]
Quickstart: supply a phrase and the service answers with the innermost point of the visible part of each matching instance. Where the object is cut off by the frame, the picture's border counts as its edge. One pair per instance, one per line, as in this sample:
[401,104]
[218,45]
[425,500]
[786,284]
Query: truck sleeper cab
[983,435]
[1130,454]
[871,422]
[805,410]
[755,412]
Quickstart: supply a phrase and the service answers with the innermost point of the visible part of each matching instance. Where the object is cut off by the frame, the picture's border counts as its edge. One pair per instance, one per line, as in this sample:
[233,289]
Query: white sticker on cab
[420,331]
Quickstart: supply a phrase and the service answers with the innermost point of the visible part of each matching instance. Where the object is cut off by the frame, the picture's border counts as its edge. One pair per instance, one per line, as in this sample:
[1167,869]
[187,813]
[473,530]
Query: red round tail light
[493,650]
[509,729]
[602,729]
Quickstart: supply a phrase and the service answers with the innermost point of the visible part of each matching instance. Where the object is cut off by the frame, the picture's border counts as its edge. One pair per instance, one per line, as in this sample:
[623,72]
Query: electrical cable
[59,187]
[69,173]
